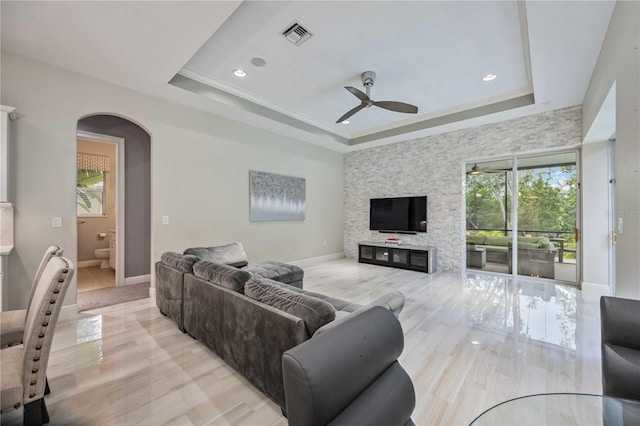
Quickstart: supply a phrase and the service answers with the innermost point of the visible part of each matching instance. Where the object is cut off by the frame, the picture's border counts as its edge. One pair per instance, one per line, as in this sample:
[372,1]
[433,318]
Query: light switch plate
[165,220]
[56,222]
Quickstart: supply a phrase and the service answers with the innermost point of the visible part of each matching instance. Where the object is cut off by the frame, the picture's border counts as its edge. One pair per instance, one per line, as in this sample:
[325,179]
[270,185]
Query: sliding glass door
[489,215]
[547,216]
[522,216]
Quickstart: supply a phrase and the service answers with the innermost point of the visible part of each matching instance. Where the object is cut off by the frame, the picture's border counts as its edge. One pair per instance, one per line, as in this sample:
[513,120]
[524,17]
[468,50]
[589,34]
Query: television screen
[407,214]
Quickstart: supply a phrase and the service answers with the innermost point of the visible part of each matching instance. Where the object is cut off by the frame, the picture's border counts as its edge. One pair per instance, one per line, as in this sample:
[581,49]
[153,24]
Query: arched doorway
[114,229]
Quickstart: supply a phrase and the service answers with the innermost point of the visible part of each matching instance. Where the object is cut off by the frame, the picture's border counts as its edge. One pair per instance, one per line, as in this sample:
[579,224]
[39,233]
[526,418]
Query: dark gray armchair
[620,331]
[350,375]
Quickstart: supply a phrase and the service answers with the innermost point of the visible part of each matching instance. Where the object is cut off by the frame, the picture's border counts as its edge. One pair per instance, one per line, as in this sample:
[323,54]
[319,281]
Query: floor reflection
[539,311]
[89,328]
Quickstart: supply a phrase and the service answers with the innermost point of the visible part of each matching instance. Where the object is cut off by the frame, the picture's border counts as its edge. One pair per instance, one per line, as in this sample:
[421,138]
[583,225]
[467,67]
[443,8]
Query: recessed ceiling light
[240,73]
[345,122]
[489,77]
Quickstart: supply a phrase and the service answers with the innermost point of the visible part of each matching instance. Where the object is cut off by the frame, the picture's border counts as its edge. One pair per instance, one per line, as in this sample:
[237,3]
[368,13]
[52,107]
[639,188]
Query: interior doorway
[125,243]
[522,216]
[99,209]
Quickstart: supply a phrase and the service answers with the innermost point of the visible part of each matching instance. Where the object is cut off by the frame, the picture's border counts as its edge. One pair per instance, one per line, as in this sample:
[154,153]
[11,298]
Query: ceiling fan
[475,170]
[368,78]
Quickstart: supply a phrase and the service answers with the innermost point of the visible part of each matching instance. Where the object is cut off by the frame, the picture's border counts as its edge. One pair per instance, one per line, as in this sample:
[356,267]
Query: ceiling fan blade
[351,112]
[397,106]
[357,93]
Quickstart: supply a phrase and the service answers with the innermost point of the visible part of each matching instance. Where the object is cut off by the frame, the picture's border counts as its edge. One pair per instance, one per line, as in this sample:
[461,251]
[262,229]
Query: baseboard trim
[594,291]
[88,263]
[315,260]
[137,280]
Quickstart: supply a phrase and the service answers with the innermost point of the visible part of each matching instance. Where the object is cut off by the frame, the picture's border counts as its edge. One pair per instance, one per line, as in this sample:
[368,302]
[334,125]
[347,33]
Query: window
[90,193]
[90,184]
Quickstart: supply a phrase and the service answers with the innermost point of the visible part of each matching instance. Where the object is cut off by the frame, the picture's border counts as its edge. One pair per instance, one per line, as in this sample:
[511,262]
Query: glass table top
[562,409]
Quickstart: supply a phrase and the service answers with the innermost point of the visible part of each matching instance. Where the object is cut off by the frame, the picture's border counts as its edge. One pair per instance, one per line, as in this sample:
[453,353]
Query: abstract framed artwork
[276,197]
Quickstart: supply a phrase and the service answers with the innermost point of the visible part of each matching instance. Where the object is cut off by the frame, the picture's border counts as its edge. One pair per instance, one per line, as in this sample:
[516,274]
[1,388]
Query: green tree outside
[546,203]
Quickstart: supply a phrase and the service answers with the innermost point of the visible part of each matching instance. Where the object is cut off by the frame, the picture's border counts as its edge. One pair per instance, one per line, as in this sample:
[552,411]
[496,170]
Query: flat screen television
[400,214]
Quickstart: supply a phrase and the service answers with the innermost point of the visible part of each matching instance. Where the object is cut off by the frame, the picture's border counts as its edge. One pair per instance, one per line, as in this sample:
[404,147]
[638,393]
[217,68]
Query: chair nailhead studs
[38,347]
[48,313]
[36,359]
[16,405]
[10,344]
[56,291]
[33,382]
[31,395]
[44,324]
[64,271]
[34,371]
[41,335]
[61,280]
[52,302]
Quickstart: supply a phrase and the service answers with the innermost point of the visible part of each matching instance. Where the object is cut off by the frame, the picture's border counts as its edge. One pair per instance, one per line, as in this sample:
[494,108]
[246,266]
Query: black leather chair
[620,331]
[349,375]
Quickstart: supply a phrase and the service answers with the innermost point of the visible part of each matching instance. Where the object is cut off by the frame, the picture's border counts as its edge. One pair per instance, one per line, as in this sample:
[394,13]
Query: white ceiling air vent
[297,34]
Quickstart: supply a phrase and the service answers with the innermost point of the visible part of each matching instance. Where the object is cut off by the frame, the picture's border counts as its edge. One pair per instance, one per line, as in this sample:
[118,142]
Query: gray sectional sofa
[246,319]
[172,267]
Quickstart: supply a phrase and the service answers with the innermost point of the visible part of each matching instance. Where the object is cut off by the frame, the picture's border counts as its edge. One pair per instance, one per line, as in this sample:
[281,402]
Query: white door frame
[119,145]
[613,226]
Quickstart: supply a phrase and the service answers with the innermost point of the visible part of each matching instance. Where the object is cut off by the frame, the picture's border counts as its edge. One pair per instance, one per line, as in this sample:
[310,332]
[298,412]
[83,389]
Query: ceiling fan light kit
[368,79]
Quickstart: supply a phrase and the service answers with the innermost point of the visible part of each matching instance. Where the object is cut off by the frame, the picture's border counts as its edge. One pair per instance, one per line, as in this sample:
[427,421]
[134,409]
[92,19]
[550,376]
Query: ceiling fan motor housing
[368,78]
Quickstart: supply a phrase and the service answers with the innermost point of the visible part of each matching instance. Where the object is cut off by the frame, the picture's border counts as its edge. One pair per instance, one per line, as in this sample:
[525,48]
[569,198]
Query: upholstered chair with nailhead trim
[12,322]
[23,368]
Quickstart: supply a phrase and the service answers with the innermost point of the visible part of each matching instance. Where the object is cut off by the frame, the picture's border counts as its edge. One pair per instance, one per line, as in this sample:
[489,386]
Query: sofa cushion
[277,271]
[231,254]
[338,304]
[475,239]
[529,240]
[497,241]
[528,245]
[545,243]
[497,249]
[181,262]
[313,311]
[222,275]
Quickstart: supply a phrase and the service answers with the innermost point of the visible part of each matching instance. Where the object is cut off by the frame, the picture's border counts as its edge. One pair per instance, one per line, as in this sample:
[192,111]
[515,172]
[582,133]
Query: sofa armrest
[620,322]
[620,346]
[350,375]
[170,293]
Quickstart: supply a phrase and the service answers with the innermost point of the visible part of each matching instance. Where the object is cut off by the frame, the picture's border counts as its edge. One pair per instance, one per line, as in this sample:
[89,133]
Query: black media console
[405,256]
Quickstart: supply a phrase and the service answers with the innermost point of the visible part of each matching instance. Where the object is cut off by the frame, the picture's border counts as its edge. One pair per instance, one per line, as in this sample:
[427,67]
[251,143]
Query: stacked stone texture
[434,166]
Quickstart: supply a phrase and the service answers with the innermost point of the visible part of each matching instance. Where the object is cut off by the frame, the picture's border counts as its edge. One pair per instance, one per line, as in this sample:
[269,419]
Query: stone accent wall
[433,166]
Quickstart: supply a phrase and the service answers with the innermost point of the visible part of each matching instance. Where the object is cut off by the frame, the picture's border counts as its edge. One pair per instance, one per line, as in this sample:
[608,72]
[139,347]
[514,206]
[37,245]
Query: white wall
[595,213]
[200,173]
[619,62]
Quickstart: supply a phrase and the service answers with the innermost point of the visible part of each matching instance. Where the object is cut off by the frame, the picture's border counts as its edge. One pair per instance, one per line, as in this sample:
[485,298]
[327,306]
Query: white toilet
[103,253]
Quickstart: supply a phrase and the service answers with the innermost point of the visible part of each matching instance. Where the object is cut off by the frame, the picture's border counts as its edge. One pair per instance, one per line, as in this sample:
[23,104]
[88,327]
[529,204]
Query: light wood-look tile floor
[471,341]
